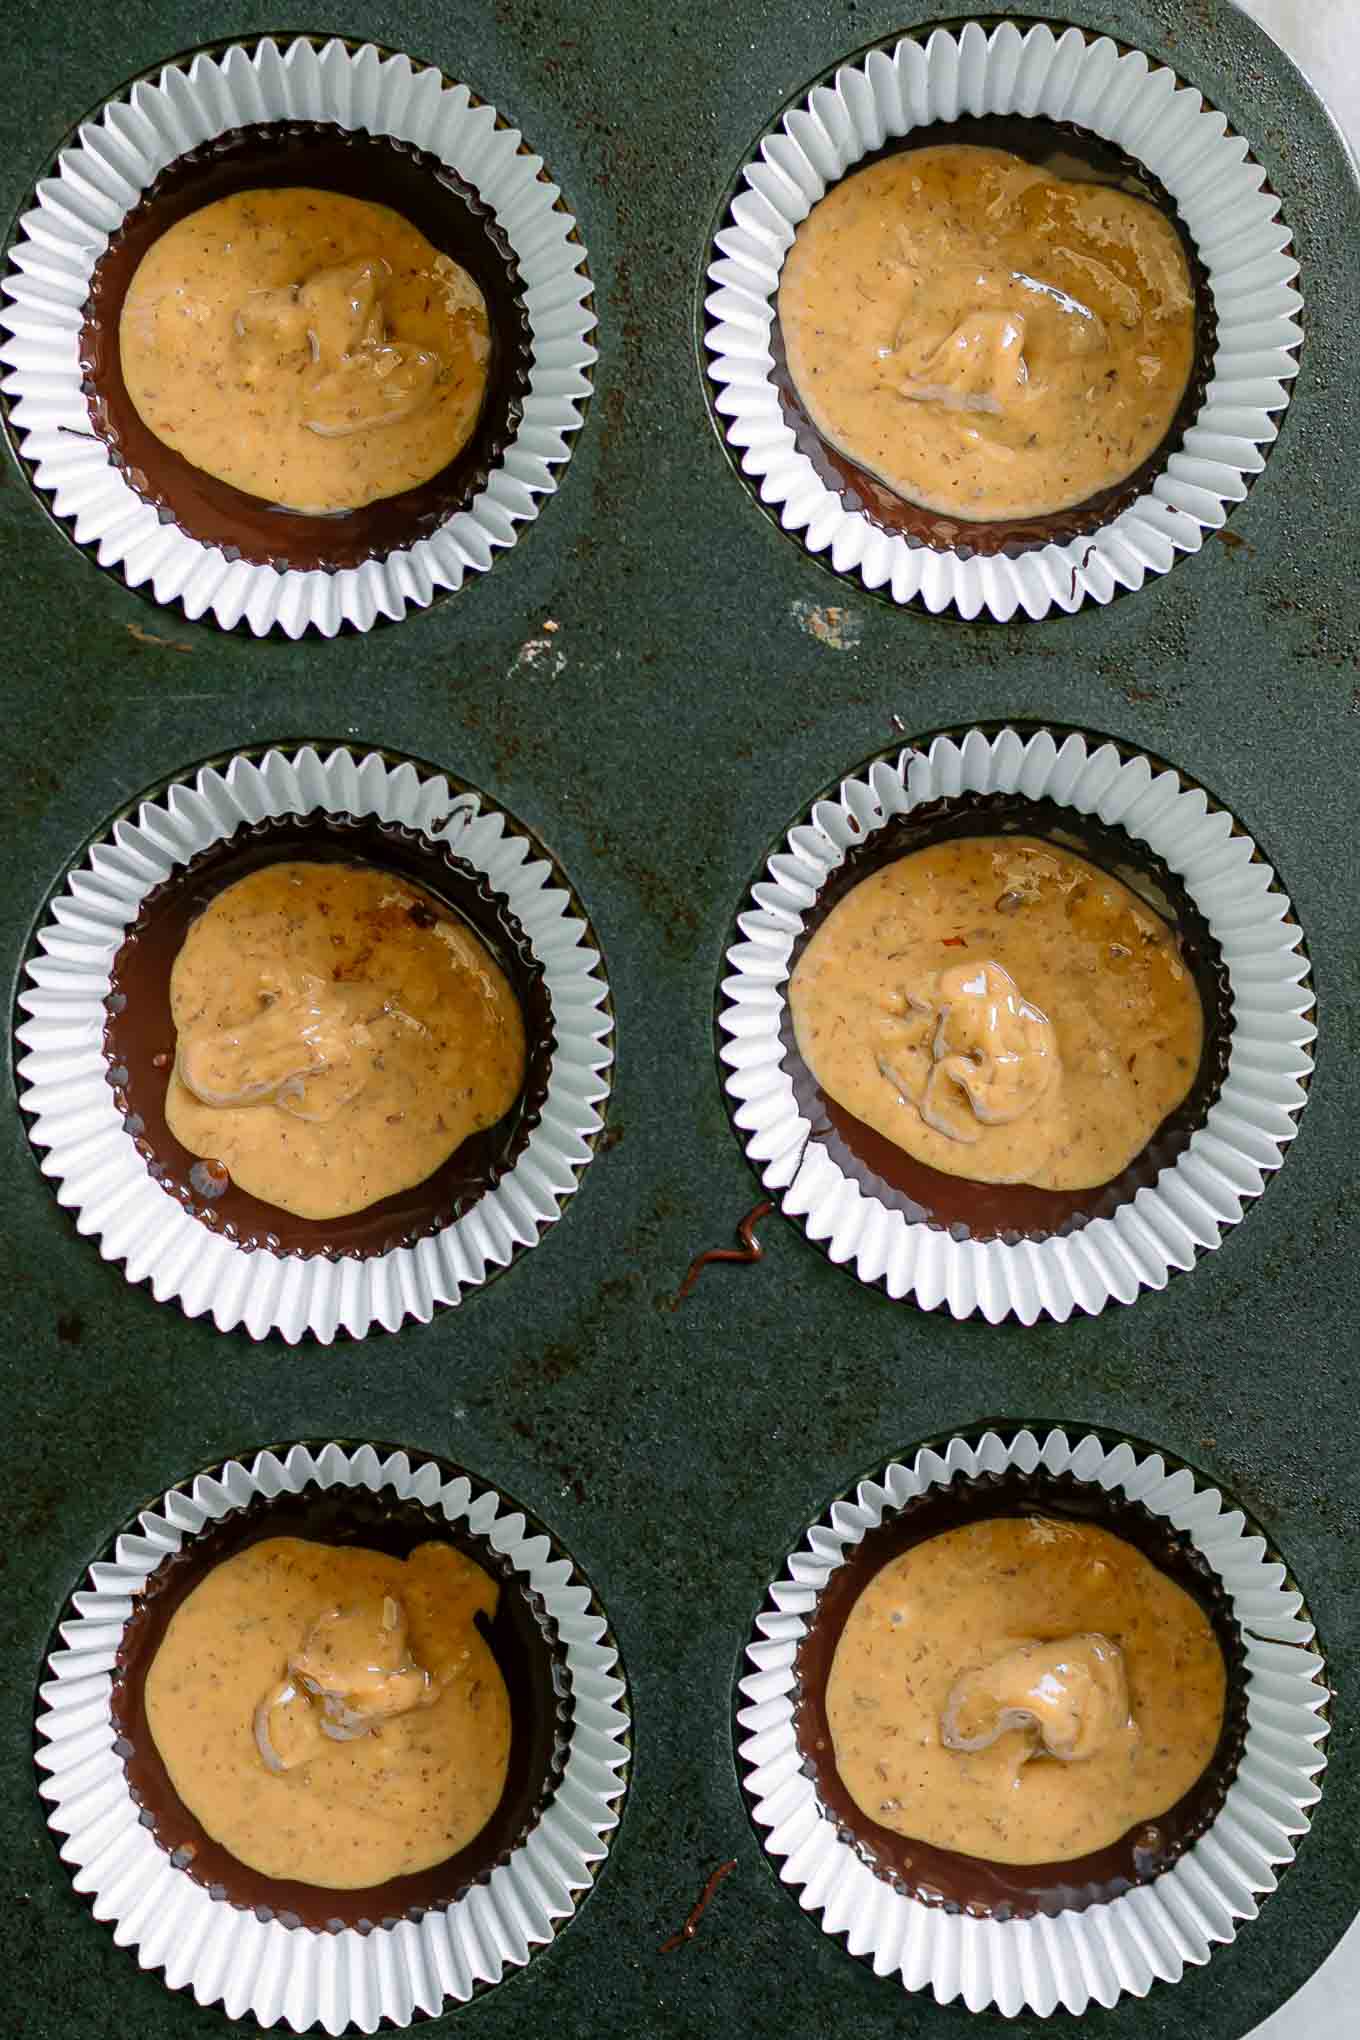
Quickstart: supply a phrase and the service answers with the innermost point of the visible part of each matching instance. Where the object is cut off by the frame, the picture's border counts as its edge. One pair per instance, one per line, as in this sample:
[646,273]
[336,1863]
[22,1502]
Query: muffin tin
[652,683]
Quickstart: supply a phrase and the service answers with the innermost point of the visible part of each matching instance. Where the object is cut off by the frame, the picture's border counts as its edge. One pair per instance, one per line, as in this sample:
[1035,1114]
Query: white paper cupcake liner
[63,1074]
[97,183]
[1075,1959]
[263,1970]
[1143,109]
[1226,1164]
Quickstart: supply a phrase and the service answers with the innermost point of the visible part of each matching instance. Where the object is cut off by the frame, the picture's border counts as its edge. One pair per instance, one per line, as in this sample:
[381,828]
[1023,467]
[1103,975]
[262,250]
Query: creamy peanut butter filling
[1023,1690]
[311,349]
[1001,1010]
[988,339]
[339,1034]
[331,1714]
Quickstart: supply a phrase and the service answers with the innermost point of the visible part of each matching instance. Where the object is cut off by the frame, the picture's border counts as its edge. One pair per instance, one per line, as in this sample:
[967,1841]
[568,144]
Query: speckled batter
[313,350]
[1001,1010]
[989,340]
[333,1715]
[339,1034]
[1114,1667]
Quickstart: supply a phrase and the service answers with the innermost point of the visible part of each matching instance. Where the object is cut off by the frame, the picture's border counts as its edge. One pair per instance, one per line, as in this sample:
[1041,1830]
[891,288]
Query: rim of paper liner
[1123,1946]
[87,1150]
[1121,96]
[262,1970]
[1227,1161]
[97,181]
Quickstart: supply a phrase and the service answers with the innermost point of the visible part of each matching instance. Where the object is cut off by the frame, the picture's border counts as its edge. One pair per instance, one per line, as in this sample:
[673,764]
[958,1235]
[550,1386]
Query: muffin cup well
[69,1086]
[1247,1116]
[1077,81]
[1105,1950]
[102,179]
[348,1977]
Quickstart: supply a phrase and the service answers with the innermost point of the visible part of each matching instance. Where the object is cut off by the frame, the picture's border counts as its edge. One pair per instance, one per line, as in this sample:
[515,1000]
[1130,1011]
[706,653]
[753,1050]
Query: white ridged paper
[100,1176]
[259,1969]
[1076,1959]
[97,183]
[1228,1159]
[1145,110]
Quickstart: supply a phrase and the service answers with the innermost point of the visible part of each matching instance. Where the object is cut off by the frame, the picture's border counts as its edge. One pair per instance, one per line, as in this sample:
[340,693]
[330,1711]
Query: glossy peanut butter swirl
[311,349]
[988,339]
[1023,1690]
[338,1034]
[1001,1010]
[333,1715]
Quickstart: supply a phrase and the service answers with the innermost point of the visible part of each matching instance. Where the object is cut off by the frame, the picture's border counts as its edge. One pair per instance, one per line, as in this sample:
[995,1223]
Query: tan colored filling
[313,350]
[1001,1010]
[331,1714]
[339,1034]
[988,339]
[1023,1690]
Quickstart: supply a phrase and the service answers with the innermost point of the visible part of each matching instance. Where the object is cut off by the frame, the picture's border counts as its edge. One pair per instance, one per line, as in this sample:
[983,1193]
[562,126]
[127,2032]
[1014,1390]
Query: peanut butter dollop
[1001,1009]
[1070,1697]
[311,349]
[990,340]
[339,1034]
[332,1714]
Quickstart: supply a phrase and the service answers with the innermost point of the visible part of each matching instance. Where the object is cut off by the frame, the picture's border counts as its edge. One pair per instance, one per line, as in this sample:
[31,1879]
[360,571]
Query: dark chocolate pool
[1014,1211]
[960,1883]
[522,1638]
[280,154]
[1067,151]
[139,1035]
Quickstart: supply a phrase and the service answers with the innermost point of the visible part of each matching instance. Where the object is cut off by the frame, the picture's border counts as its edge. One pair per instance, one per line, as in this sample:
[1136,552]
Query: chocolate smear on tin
[749,1252]
[700,1906]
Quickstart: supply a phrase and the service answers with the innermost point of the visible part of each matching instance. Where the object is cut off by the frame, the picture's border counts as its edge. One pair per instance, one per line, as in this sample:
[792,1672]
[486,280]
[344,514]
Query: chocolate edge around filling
[522,1639]
[1011,1211]
[1037,140]
[139,1027]
[279,154]
[945,1877]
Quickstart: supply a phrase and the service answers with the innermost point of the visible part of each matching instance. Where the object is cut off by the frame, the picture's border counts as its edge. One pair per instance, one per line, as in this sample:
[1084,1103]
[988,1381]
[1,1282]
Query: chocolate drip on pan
[522,1639]
[962,1883]
[1067,150]
[1013,1211]
[279,154]
[139,1036]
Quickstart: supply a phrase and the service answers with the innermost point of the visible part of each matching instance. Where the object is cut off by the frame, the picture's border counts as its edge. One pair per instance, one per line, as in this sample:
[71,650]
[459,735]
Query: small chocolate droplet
[209,1179]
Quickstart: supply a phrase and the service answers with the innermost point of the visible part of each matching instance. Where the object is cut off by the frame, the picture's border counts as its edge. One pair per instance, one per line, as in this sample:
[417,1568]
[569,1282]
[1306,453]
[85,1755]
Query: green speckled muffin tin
[654,679]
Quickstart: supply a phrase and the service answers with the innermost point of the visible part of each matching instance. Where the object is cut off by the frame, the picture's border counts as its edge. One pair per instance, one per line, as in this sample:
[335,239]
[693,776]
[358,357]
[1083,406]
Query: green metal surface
[680,1453]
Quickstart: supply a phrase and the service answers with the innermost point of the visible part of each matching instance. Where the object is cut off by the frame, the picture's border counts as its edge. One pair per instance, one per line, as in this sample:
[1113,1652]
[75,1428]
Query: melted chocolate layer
[1068,151]
[1014,1211]
[279,154]
[967,1883]
[139,1035]
[522,1638]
